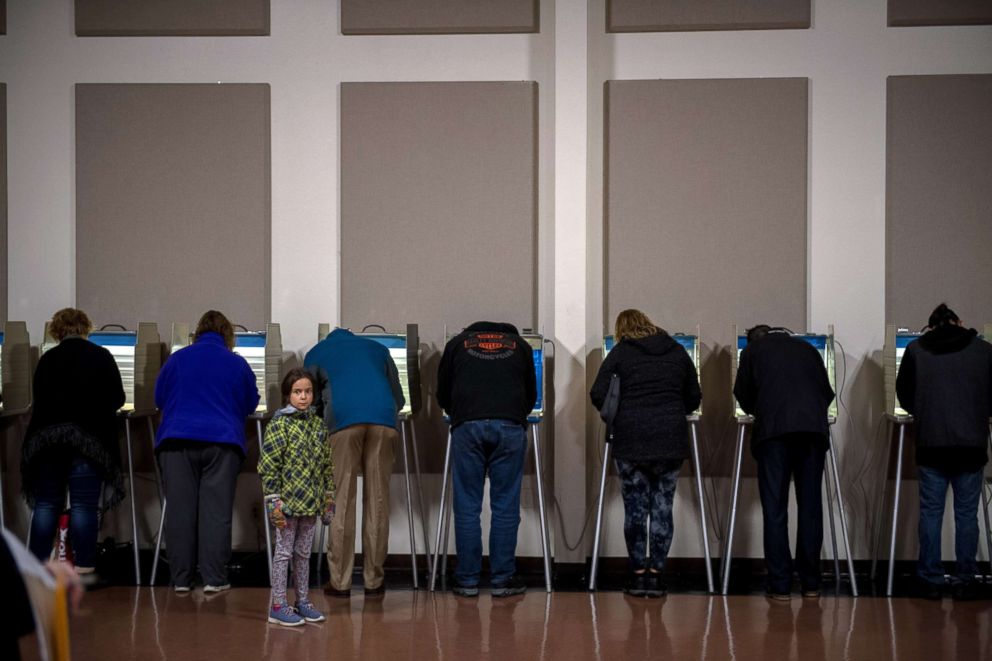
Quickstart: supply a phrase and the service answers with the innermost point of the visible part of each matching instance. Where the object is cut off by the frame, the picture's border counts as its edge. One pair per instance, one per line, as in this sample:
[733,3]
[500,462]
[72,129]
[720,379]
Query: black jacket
[487,372]
[658,388]
[945,381]
[782,382]
[77,393]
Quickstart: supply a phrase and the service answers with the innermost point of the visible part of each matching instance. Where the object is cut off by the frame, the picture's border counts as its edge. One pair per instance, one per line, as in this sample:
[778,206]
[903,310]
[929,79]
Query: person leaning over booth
[783,383]
[486,383]
[945,382]
[205,392]
[360,393]
[71,440]
[658,388]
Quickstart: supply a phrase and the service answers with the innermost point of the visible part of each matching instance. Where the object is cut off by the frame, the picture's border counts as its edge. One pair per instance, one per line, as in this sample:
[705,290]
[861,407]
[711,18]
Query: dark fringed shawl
[70,439]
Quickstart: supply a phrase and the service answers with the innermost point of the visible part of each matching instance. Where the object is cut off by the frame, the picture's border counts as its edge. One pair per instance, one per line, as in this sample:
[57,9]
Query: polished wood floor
[120,624]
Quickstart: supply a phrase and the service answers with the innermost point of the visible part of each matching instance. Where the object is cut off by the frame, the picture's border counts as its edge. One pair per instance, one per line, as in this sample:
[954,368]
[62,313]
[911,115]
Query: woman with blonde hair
[658,388]
[71,441]
[205,392]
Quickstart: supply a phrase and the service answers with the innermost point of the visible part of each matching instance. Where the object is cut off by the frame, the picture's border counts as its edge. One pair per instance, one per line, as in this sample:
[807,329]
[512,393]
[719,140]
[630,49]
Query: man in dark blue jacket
[783,383]
[361,394]
[945,382]
[487,383]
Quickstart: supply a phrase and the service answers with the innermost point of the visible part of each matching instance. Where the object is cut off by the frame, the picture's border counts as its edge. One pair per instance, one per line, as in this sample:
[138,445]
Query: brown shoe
[332,591]
[811,594]
[375,592]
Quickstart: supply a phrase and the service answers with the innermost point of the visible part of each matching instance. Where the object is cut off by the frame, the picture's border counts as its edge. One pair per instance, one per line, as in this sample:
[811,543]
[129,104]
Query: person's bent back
[360,392]
[945,382]
[487,384]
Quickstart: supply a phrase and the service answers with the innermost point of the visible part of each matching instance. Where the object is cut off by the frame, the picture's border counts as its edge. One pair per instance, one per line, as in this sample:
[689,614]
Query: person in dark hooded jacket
[658,388]
[945,382]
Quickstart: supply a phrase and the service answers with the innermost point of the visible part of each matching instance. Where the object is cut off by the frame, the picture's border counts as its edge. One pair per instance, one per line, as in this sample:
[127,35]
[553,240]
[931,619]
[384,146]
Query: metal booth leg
[440,514]
[734,496]
[702,505]
[880,504]
[420,489]
[134,508]
[158,542]
[321,545]
[985,511]
[265,518]
[161,502]
[409,506]
[594,567]
[895,511]
[449,509]
[843,518]
[828,487]
[539,474]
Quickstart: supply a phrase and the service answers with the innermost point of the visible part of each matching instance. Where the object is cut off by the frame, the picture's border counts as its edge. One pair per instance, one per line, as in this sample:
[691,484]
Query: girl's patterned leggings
[294,541]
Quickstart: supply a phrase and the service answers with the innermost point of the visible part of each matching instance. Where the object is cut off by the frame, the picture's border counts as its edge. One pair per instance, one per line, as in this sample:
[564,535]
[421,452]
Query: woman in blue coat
[205,392]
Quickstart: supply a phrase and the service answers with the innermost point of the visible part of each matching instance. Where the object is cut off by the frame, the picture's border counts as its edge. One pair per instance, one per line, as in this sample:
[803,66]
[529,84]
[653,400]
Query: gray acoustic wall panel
[173,207]
[438,16]
[3,16]
[691,15]
[438,209]
[193,18]
[939,12]
[3,202]
[938,193]
[706,212]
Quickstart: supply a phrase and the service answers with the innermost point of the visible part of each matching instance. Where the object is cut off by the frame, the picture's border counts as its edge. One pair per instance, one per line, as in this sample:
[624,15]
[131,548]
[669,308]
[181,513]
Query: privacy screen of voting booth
[138,355]
[536,343]
[689,342]
[262,350]
[824,345]
[15,368]
[896,341]
[404,349]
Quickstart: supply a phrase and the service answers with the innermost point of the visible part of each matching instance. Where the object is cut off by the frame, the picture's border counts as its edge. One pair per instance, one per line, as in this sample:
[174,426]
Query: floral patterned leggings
[648,488]
[293,541]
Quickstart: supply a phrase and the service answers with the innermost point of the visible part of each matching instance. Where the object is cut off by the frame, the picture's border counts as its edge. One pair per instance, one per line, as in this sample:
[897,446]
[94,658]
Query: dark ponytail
[942,316]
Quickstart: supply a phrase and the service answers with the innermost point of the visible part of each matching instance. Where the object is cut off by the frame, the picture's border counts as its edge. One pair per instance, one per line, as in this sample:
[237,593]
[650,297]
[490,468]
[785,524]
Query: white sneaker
[214,589]
[182,589]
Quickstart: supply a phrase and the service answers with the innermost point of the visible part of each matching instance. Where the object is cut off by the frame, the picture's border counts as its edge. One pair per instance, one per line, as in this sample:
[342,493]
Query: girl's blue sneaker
[308,612]
[283,615]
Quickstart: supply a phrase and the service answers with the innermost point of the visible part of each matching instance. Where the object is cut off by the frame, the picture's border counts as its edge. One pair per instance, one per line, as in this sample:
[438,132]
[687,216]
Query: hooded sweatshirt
[945,382]
[487,373]
[658,388]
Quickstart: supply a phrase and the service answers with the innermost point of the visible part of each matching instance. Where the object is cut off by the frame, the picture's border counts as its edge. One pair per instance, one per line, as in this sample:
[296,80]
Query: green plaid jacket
[296,463]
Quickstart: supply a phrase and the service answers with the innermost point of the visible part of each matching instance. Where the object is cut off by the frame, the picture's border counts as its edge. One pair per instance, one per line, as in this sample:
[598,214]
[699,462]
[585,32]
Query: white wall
[846,55]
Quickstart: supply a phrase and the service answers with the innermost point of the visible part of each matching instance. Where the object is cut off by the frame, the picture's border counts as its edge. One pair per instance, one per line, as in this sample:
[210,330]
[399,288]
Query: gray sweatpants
[199,480]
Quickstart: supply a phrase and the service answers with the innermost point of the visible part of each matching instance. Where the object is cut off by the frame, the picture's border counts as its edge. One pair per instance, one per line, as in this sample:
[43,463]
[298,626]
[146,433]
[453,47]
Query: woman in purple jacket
[205,391]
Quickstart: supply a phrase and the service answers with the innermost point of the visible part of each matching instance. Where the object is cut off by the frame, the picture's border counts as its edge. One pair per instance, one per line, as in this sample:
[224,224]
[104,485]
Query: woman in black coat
[658,388]
[71,441]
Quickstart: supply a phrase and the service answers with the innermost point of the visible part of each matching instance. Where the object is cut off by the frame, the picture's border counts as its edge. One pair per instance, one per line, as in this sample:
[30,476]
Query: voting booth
[824,345]
[439,561]
[691,345]
[404,349]
[15,379]
[138,355]
[262,349]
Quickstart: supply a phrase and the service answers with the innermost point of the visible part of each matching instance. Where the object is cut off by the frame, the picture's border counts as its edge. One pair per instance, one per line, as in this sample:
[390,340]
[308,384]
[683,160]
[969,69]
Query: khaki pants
[369,449]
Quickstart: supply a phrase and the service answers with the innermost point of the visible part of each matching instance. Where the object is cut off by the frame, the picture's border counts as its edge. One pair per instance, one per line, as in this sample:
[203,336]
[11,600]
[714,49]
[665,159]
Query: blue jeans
[478,447]
[84,485]
[933,493]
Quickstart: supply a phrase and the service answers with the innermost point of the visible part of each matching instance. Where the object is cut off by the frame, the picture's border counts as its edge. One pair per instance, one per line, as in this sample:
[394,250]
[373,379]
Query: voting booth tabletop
[123,623]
